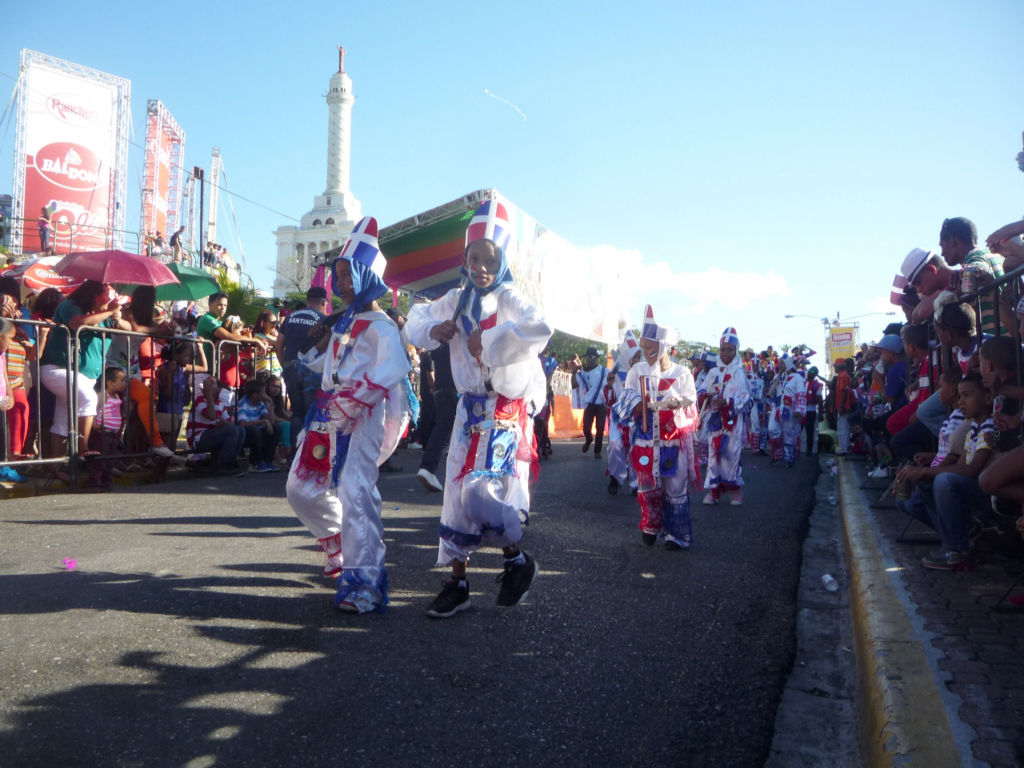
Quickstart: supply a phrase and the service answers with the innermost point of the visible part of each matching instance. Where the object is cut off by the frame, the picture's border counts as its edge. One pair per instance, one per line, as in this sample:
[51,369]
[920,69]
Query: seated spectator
[254,417]
[281,415]
[265,329]
[927,466]
[955,328]
[915,347]
[956,493]
[1004,478]
[212,430]
[176,381]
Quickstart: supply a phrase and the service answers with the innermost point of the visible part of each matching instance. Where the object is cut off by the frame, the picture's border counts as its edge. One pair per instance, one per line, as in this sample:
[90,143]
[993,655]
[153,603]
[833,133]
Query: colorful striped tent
[425,251]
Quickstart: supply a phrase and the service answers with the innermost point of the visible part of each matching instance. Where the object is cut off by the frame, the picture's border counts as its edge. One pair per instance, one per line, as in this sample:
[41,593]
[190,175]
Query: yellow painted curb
[903,721]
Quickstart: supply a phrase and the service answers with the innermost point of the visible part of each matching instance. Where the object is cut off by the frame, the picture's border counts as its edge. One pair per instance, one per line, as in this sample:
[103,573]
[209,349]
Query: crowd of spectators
[935,403]
[135,383]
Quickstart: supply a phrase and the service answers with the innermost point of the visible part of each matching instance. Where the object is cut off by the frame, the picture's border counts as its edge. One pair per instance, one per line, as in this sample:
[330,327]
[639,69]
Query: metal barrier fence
[67,231]
[142,419]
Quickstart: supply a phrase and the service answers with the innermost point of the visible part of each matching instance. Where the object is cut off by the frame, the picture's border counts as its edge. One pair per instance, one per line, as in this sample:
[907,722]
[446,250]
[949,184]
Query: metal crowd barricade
[34,393]
[73,343]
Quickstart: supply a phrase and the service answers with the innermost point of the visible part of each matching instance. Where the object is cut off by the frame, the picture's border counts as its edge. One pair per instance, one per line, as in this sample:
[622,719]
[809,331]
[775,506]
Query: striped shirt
[949,427]
[980,268]
[982,437]
[198,422]
[16,364]
[110,418]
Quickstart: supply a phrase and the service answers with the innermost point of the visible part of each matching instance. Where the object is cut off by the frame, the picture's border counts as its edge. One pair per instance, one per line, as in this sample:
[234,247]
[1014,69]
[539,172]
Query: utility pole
[197,174]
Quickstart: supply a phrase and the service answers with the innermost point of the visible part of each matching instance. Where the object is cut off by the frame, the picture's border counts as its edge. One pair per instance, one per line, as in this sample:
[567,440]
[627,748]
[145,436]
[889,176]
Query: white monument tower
[336,211]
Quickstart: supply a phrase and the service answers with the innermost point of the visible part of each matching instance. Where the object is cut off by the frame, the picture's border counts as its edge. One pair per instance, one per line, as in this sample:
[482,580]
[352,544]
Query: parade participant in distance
[352,427]
[659,401]
[620,470]
[724,399]
[587,386]
[495,336]
[788,416]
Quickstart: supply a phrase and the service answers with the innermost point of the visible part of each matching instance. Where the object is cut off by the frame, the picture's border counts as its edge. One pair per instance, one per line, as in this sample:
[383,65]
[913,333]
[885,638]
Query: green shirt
[208,325]
[93,348]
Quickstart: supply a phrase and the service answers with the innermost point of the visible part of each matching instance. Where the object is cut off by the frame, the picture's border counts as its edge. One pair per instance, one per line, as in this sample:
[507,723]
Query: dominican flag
[729,336]
[650,329]
[362,246]
[490,222]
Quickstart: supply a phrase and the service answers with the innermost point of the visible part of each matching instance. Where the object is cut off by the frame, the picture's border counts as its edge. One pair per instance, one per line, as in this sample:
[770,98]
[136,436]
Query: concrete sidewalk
[941,670]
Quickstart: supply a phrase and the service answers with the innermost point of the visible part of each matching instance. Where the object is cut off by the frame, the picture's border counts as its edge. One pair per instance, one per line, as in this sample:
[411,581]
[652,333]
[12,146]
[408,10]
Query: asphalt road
[194,630]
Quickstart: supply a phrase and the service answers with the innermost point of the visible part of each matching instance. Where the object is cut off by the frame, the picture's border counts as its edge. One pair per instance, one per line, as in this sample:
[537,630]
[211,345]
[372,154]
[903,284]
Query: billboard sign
[164,156]
[842,342]
[72,144]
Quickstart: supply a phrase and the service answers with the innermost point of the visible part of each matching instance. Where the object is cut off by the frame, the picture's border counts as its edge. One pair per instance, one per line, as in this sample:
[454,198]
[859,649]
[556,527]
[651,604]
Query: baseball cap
[890,343]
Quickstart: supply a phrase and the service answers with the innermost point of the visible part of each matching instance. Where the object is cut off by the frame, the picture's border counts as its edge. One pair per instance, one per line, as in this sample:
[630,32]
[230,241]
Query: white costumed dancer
[725,401]
[659,400]
[353,427]
[495,335]
[620,469]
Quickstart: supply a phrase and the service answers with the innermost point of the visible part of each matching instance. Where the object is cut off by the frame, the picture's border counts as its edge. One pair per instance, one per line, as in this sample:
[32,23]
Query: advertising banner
[70,142]
[842,342]
[161,186]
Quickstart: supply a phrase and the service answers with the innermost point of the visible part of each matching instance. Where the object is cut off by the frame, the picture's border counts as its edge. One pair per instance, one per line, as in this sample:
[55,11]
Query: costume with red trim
[662,443]
[619,465]
[354,425]
[724,427]
[491,456]
[788,414]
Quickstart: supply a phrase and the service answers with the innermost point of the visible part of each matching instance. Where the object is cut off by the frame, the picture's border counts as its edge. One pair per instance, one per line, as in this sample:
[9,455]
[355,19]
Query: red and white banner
[70,152]
[164,148]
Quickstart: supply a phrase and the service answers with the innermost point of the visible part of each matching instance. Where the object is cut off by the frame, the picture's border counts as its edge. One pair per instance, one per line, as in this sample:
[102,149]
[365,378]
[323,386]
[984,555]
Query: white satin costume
[491,454]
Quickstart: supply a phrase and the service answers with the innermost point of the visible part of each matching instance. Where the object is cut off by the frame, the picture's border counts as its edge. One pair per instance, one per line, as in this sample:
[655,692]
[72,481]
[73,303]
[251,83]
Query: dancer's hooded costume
[788,414]
[755,420]
[491,455]
[352,428]
[619,465]
[724,429]
[662,445]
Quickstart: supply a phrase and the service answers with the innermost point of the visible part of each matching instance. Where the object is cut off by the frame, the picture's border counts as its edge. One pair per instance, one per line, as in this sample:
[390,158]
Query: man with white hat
[928,274]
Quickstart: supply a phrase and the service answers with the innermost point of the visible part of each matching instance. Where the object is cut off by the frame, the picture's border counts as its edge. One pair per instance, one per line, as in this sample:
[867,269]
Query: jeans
[592,413]
[907,442]
[302,385]
[811,429]
[260,444]
[843,430]
[950,500]
[224,442]
[445,403]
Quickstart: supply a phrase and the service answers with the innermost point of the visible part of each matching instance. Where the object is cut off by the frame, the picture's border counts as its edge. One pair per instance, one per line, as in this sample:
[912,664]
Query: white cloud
[694,293]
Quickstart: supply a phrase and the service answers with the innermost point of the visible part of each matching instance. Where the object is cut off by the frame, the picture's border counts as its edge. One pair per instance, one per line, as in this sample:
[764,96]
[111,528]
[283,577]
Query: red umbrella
[36,275]
[115,266]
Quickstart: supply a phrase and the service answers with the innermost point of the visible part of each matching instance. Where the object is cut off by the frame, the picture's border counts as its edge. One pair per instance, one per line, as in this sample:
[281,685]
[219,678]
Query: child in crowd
[620,469]
[1004,477]
[281,416]
[176,380]
[254,417]
[105,437]
[724,398]
[353,426]
[494,336]
[956,491]
[952,438]
[7,331]
[211,427]
[659,400]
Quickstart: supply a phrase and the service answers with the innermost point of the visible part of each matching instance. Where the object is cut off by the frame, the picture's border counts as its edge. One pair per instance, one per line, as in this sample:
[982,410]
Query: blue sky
[764,158]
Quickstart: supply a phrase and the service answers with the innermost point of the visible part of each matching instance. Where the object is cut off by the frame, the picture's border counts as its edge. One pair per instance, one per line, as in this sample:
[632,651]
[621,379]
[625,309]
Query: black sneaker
[649,538]
[515,581]
[613,486]
[450,600]
[586,444]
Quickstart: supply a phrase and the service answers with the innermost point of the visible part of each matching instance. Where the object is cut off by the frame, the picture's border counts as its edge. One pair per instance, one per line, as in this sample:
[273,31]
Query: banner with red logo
[71,119]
